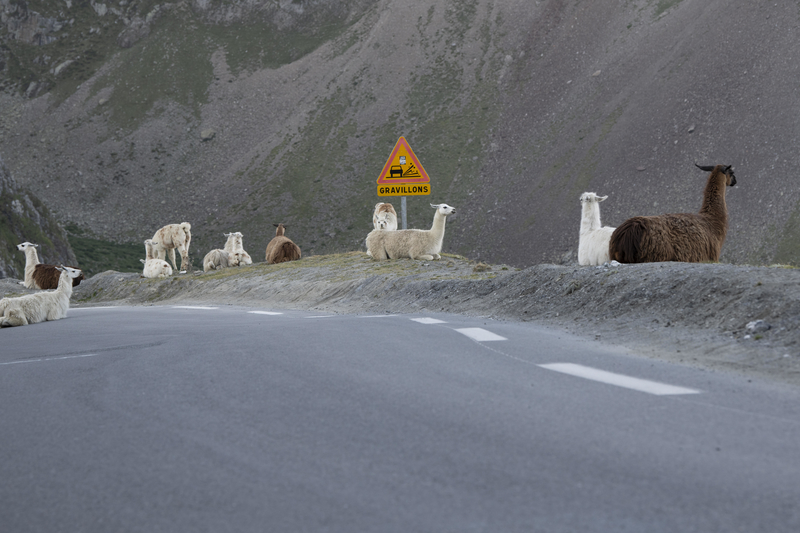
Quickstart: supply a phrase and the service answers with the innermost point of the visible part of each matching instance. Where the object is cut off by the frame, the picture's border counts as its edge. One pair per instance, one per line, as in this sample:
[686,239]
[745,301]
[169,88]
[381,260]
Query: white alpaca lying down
[412,243]
[234,246]
[384,217]
[39,306]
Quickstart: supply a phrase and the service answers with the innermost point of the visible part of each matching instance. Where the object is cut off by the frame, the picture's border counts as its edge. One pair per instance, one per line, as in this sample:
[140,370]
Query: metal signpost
[403,175]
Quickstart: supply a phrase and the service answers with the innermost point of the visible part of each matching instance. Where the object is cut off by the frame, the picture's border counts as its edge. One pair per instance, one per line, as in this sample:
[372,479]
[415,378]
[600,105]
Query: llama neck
[31,257]
[438,223]
[714,207]
[590,217]
[65,285]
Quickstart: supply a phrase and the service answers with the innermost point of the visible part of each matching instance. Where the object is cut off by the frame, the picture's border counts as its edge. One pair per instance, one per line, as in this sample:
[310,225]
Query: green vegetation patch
[664,5]
[96,255]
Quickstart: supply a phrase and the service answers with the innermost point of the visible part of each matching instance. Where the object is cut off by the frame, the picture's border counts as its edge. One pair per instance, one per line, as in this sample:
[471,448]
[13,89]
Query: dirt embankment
[694,314]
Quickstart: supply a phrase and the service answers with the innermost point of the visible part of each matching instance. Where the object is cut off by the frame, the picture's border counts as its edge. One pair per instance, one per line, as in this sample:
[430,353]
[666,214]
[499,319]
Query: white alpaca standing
[173,236]
[594,238]
[31,260]
[412,243]
[39,306]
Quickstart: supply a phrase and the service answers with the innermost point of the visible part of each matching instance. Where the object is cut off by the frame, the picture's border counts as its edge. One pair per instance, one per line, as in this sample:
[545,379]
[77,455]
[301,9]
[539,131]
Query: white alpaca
[412,243]
[594,238]
[171,237]
[154,267]
[234,245]
[384,217]
[31,260]
[216,260]
[149,249]
[40,306]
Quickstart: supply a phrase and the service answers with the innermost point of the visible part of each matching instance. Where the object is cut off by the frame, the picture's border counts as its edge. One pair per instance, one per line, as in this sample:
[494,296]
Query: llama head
[71,272]
[730,179]
[444,209]
[280,231]
[382,220]
[25,245]
[591,197]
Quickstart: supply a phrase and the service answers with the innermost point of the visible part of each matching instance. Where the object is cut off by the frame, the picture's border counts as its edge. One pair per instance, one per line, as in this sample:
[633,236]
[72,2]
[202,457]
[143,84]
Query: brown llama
[689,237]
[281,248]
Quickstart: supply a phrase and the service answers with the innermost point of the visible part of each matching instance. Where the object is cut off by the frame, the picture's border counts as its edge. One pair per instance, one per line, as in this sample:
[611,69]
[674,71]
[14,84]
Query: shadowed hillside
[236,115]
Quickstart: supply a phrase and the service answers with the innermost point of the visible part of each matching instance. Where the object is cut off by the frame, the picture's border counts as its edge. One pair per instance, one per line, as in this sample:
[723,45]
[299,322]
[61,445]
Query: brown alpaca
[281,248]
[689,237]
[47,276]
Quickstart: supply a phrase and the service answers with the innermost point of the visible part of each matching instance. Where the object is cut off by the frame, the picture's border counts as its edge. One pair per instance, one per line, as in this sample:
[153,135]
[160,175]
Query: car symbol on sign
[396,171]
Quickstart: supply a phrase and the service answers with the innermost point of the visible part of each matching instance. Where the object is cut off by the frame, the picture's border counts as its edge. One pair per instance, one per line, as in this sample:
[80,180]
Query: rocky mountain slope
[235,115]
[23,217]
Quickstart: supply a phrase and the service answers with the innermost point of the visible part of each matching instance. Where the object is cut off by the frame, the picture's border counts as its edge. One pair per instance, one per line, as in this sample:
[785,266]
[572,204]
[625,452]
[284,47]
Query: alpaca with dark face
[689,237]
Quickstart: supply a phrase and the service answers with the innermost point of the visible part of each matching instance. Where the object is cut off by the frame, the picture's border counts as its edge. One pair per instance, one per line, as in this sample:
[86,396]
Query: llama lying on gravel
[594,238]
[281,248]
[31,260]
[172,237]
[384,217]
[217,259]
[39,306]
[412,243]
[690,237]
[234,246]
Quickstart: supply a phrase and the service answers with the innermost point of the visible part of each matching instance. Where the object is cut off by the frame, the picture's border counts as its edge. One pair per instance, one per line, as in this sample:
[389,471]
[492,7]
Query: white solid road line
[619,380]
[427,320]
[264,313]
[82,308]
[193,307]
[480,334]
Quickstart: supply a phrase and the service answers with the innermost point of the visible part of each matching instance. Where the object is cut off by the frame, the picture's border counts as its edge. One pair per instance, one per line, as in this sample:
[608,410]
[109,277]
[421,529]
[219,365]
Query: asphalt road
[229,419]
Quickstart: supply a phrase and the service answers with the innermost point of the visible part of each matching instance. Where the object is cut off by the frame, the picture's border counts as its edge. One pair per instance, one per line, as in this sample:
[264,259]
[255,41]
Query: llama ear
[435,206]
[143,261]
[601,198]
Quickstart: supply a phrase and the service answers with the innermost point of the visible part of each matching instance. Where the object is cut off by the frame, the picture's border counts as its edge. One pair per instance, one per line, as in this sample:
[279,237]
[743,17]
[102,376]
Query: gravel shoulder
[687,313]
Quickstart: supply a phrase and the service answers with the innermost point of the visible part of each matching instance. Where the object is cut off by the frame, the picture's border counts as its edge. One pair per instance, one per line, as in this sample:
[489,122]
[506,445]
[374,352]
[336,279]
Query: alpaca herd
[689,237]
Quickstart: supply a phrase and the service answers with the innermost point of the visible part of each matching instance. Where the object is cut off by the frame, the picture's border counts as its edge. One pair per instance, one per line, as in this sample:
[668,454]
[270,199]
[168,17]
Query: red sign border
[397,181]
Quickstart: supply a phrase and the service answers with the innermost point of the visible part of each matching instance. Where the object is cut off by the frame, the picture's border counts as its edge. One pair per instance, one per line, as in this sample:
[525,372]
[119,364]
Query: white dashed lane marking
[428,320]
[264,313]
[193,307]
[480,334]
[619,380]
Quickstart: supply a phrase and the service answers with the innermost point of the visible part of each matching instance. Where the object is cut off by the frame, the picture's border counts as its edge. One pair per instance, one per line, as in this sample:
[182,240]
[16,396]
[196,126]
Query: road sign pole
[403,210]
